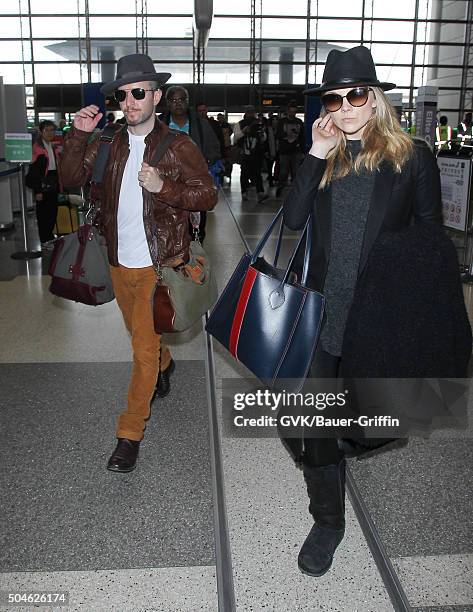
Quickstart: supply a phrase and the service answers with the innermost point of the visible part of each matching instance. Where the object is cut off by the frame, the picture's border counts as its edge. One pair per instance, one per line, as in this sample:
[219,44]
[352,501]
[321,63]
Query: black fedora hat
[349,69]
[133,69]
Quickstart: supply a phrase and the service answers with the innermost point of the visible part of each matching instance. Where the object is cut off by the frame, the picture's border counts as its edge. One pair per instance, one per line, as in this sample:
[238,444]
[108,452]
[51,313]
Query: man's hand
[87,118]
[149,178]
[38,197]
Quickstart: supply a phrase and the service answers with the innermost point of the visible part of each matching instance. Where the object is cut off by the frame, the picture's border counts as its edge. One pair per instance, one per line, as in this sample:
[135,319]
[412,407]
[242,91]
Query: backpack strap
[106,139]
[163,146]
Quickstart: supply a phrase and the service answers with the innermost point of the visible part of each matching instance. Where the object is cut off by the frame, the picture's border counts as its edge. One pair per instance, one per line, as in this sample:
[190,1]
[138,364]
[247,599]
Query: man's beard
[141,118]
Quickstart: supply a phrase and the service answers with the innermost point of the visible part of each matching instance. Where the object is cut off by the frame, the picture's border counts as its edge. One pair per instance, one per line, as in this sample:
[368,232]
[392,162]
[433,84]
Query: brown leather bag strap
[162,147]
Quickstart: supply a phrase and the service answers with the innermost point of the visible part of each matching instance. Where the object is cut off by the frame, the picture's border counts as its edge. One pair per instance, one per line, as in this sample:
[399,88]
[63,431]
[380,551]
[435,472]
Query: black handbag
[268,321]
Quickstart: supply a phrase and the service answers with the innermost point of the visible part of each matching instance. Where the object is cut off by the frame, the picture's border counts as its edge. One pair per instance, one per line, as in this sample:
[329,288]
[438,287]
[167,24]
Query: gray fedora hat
[133,69]
[349,69]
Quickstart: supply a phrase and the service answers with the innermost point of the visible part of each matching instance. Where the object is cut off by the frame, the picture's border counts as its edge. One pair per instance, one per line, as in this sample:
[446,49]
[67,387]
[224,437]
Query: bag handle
[306,233]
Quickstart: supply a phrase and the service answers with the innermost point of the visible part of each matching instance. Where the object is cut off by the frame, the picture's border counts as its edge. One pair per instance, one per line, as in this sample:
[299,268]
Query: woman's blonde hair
[382,140]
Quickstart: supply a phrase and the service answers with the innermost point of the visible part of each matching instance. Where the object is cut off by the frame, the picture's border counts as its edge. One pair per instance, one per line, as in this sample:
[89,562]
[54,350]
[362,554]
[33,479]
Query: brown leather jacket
[187,186]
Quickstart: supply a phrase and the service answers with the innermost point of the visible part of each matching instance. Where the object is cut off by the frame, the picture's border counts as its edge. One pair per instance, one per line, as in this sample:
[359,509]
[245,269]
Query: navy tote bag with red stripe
[268,322]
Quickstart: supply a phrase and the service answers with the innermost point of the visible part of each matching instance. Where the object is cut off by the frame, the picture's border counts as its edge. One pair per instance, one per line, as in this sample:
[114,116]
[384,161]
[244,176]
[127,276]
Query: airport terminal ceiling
[252,42]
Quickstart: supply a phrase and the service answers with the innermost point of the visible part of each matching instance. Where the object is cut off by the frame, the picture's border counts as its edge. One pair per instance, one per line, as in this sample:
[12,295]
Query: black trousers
[317,452]
[46,213]
[251,171]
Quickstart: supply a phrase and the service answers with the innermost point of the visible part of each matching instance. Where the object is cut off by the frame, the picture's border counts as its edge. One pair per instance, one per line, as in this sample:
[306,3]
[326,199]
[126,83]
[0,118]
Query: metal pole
[24,254]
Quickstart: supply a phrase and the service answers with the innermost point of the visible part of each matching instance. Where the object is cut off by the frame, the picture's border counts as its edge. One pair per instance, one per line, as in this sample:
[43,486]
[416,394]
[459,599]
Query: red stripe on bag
[241,309]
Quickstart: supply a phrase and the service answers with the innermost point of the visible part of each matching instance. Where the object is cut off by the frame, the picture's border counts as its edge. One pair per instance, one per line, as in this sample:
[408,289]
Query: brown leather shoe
[124,456]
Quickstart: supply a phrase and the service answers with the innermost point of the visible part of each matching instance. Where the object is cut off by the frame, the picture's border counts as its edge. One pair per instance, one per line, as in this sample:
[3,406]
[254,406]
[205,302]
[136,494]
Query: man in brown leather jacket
[144,218]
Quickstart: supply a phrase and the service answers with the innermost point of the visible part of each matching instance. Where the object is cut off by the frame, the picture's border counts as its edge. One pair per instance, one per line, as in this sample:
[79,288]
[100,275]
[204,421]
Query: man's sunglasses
[357,97]
[138,93]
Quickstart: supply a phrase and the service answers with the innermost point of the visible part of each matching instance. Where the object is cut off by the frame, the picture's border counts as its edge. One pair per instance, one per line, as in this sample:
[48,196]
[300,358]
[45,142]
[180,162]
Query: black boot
[326,489]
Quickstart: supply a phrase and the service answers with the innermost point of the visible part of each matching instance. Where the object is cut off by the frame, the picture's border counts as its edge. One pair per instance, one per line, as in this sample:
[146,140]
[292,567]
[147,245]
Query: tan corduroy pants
[133,288]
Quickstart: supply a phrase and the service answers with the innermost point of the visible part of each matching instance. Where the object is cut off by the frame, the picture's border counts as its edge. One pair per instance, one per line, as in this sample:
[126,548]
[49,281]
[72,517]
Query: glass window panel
[51,8]
[224,7]
[458,9]
[181,73]
[339,29]
[12,27]
[449,99]
[171,50]
[57,73]
[13,73]
[270,74]
[420,76]
[225,73]
[223,27]
[449,77]
[54,51]
[448,55]
[393,30]
[285,28]
[167,27]
[112,26]
[56,27]
[394,74]
[299,75]
[400,8]
[14,7]
[222,50]
[342,8]
[116,7]
[282,7]
[423,55]
[391,53]
[184,7]
[10,51]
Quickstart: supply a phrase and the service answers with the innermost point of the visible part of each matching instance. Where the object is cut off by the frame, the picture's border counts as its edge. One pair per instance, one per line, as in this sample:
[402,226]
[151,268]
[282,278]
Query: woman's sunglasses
[138,93]
[357,97]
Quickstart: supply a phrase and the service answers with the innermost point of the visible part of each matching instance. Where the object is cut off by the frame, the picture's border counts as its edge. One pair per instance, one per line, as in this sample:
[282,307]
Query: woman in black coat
[362,177]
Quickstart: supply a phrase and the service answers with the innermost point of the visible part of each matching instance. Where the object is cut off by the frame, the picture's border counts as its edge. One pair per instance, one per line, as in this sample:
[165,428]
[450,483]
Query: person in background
[290,138]
[227,132]
[271,152]
[43,179]
[465,129]
[443,134]
[250,136]
[202,111]
[180,117]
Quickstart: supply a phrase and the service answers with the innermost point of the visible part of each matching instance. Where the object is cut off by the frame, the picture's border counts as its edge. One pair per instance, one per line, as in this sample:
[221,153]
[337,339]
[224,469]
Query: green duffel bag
[183,294]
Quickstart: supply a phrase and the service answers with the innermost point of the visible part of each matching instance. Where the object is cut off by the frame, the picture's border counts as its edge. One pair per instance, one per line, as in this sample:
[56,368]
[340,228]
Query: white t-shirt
[133,250]
[52,160]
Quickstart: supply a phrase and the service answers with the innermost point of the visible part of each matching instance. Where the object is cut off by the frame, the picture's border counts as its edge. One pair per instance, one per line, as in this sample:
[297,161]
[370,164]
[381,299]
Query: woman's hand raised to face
[324,137]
